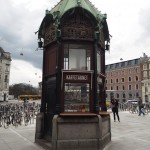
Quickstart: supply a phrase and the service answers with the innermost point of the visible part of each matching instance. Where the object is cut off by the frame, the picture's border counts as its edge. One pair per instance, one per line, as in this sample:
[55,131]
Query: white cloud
[24,72]
[128,22]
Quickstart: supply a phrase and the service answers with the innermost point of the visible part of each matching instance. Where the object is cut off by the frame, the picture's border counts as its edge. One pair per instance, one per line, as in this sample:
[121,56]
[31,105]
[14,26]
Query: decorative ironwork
[50,34]
[77,27]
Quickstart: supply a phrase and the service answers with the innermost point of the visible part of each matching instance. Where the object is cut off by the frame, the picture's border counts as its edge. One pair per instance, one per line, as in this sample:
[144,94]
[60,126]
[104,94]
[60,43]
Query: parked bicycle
[18,114]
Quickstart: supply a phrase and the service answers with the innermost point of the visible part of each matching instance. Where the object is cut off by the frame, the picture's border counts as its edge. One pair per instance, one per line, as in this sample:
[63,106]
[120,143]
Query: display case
[77,87]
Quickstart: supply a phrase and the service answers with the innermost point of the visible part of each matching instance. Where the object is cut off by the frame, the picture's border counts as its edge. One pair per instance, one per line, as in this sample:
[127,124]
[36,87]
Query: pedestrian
[25,103]
[114,106]
[140,105]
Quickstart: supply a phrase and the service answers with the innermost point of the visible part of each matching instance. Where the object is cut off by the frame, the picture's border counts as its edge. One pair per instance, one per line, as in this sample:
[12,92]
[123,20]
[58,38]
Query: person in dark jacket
[114,106]
[140,104]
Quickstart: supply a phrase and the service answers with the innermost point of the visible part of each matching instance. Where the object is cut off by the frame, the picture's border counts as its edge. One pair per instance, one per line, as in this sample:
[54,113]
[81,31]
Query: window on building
[136,86]
[106,81]
[129,79]
[145,74]
[123,95]
[117,65]
[144,66]
[111,88]
[146,98]
[129,63]
[123,72]
[130,87]
[106,87]
[116,73]
[130,96]
[111,81]
[111,66]
[116,80]
[5,85]
[136,78]
[122,79]
[117,95]
[123,64]
[136,61]
[117,88]
[6,78]
[7,67]
[130,71]
[123,88]
[146,89]
[137,95]
[136,70]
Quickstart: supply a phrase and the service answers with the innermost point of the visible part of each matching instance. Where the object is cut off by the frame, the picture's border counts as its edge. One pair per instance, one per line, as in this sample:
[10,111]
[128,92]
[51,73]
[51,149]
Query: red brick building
[123,80]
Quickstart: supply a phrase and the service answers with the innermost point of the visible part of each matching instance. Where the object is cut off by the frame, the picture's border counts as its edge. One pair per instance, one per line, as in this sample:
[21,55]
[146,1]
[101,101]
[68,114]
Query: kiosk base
[79,132]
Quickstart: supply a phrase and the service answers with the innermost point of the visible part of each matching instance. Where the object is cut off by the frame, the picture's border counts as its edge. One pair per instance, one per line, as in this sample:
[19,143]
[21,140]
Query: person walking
[140,105]
[114,106]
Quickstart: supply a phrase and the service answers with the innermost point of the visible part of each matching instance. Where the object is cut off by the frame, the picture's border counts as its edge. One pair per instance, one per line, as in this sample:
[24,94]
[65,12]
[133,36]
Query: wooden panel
[50,61]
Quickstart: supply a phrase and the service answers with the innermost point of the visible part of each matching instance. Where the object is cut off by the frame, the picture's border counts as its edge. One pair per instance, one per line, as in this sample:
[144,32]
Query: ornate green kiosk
[73,112]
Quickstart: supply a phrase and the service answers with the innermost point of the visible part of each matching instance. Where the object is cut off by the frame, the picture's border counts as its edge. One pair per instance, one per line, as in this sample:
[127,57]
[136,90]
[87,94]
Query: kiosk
[74,37]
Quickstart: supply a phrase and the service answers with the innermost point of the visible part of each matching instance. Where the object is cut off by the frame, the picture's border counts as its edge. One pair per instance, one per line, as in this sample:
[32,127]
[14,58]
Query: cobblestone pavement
[132,133]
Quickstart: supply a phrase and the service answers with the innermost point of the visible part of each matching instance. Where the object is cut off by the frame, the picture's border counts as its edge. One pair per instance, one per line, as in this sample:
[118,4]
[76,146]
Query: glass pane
[77,59]
[98,63]
[76,97]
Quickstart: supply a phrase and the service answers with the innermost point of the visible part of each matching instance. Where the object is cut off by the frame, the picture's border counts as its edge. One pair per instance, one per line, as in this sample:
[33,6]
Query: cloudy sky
[128,22]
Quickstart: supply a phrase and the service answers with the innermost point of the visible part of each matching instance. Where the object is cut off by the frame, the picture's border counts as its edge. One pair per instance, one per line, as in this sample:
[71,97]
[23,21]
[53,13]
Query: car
[133,101]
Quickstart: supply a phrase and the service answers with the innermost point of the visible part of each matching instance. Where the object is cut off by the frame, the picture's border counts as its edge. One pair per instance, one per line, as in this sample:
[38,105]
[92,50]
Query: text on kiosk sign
[77,77]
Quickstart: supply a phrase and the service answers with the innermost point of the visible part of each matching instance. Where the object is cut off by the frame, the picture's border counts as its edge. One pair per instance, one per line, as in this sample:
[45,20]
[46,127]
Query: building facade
[123,80]
[5,61]
[145,77]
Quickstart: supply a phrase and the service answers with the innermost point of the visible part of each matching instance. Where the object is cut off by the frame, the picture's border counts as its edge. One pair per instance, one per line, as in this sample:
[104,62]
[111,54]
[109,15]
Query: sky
[128,23]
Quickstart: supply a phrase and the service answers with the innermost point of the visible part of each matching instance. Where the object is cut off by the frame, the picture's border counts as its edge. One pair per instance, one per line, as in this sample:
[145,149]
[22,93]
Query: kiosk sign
[74,76]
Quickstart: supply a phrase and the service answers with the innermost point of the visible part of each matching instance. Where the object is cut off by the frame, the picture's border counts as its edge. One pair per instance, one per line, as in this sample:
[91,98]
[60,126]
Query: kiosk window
[76,97]
[77,58]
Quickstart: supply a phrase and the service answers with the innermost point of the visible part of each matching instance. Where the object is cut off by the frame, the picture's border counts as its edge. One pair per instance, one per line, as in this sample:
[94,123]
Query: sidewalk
[132,133]
[20,138]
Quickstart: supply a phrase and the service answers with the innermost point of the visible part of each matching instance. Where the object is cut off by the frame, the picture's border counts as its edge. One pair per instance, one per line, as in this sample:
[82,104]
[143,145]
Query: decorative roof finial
[79,2]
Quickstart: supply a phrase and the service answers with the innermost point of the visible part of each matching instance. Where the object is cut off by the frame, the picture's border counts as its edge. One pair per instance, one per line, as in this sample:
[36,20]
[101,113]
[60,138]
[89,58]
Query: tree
[22,89]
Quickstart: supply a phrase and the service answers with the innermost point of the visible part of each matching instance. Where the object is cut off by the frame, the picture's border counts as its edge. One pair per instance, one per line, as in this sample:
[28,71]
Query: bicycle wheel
[145,111]
[6,123]
[131,110]
[1,121]
[26,121]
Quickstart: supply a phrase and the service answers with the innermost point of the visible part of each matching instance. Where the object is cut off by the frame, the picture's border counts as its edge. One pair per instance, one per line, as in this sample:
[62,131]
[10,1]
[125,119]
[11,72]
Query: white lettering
[76,77]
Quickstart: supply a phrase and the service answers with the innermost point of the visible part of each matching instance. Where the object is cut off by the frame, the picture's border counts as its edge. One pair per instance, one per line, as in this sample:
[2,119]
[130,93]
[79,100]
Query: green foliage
[22,89]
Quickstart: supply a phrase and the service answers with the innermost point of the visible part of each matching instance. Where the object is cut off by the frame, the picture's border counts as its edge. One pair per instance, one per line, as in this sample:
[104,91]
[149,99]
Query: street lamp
[40,43]
[107,46]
